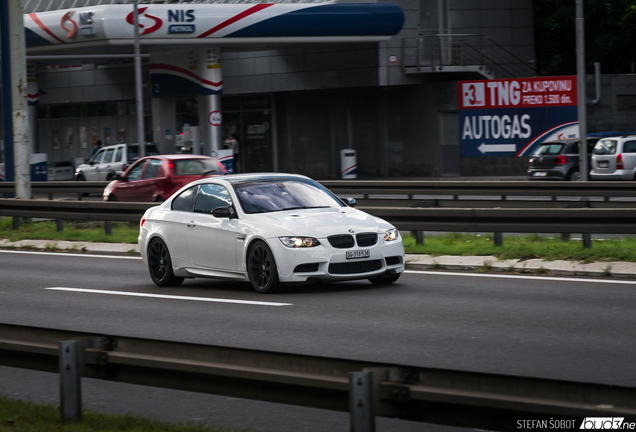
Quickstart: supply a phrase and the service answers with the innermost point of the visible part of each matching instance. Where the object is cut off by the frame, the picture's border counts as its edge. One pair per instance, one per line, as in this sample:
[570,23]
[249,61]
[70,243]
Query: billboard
[511,117]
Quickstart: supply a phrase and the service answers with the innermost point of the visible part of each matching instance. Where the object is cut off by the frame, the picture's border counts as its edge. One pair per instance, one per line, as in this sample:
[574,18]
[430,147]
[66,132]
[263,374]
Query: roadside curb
[75,247]
[490,264]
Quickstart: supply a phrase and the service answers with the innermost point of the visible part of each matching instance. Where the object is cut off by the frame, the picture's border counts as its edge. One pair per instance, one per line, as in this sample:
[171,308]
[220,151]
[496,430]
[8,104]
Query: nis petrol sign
[511,117]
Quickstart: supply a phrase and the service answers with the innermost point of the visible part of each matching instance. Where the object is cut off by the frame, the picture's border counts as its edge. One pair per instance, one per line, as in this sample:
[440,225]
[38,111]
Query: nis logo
[182,17]
[70,25]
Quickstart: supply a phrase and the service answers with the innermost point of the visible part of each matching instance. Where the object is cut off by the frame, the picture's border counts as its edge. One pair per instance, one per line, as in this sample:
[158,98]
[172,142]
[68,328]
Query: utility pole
[14,79]
[138,86]
[580,82]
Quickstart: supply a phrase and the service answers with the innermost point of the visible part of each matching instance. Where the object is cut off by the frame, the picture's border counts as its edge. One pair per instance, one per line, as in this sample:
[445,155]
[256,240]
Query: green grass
[22,416]
[526,247]
[514,247]
[123,232]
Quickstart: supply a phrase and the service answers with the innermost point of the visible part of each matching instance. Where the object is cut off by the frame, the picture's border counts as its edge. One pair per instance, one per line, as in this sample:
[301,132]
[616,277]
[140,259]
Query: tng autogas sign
[511,117]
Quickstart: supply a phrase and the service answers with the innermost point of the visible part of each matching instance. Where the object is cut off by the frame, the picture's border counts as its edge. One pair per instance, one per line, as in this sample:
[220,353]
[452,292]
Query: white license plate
[603,164]
[362,253]
[540,174]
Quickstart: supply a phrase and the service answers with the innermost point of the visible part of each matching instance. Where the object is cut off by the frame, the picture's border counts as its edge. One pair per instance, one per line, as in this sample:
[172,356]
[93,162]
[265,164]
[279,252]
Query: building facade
[294,107]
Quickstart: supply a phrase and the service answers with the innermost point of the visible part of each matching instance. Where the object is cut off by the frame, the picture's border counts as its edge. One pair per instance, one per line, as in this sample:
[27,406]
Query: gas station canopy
[86,28]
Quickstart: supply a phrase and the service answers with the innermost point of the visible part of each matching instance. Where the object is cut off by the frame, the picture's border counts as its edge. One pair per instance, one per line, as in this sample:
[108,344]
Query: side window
[108,158]
[185,200]
[629,147]
[210,197]
[120,154]
[134,173]
[152,169]
[98,156]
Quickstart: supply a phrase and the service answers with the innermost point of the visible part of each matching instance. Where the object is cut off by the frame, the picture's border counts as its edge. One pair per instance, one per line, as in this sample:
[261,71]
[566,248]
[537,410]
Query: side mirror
[91,163]
[224,212]
[121,177]
[351,202]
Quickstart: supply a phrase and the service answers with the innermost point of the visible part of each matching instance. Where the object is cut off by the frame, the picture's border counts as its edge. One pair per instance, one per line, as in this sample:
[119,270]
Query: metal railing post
[587,241]
[16,223]
[498,239]
[108,227]
[59,225]
[361,403]
[70,381]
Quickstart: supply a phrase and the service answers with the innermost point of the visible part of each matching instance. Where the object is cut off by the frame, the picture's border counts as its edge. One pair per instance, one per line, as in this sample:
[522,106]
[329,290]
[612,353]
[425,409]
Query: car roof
[247,178]
[179,157]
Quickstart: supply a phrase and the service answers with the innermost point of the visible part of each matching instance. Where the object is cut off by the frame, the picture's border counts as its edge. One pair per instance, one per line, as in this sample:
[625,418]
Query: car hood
[321,223]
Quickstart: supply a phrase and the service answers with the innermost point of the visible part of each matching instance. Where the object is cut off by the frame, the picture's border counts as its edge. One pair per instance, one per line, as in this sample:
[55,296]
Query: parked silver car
[614,159]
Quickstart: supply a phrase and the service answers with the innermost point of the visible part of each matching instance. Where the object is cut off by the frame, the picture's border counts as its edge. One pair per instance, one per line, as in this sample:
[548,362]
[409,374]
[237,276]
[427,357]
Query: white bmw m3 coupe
[269,229]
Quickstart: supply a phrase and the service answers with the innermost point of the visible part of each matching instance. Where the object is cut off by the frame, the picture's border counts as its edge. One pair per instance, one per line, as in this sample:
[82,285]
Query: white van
[111,161]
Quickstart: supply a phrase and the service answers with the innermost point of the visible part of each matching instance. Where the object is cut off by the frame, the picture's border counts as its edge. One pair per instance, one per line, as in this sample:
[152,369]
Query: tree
[609,35]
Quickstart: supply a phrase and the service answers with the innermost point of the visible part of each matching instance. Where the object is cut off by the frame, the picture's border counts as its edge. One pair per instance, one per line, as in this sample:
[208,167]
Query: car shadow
[293,289]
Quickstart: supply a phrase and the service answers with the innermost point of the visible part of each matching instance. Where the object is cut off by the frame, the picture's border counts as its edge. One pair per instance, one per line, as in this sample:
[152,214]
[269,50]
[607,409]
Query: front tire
[385,279]
[262,269]
[160,265]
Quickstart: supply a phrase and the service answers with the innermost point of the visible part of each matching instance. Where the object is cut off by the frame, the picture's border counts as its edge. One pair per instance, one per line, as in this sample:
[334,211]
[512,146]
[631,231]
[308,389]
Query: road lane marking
[546,278]
[67,254]
[170,297]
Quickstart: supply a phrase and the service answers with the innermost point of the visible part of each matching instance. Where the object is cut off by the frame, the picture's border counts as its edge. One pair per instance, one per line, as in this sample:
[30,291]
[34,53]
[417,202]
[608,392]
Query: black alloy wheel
[385,279]
[262,269]
[160,265]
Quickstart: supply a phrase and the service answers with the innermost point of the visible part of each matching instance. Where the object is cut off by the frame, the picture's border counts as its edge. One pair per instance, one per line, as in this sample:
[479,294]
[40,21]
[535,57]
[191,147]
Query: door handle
[153,183]
[191,224]
[240,237]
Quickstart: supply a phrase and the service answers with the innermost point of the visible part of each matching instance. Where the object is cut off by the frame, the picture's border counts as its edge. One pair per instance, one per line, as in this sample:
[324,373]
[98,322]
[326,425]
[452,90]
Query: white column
[21,141]
[209,65]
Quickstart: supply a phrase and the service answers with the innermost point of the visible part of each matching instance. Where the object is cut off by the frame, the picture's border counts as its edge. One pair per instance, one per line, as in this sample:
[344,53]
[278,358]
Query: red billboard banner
[537,92]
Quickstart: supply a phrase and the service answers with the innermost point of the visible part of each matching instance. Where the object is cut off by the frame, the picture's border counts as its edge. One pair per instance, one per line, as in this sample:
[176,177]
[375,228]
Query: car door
[127,188]
[89,170]
[212,241]
[104,168]
[629,155]
[174,224]
[146,189]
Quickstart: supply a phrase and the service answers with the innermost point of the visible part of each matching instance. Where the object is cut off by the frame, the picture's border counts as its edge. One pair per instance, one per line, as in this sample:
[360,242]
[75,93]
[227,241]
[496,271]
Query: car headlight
[391,234]
[296,242]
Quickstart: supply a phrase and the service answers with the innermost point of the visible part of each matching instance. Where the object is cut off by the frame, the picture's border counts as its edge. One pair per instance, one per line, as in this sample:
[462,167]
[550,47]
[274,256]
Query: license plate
[362,253]
[540,174]
[603,164]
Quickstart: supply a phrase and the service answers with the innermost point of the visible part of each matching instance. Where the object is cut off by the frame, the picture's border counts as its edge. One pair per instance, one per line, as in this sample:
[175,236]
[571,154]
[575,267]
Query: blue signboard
[512,117]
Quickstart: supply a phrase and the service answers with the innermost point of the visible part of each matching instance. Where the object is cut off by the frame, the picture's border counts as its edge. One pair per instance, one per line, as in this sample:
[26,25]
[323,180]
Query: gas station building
[295,83]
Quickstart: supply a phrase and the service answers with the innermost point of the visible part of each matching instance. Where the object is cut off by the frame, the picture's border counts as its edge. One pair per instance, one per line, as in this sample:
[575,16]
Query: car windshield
[604,147]
[548,149]
[184,167]
[278,195]
[133,151]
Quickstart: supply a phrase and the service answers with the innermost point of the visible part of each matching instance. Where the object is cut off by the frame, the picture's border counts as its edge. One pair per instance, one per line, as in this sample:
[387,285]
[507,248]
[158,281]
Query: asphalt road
[573,330]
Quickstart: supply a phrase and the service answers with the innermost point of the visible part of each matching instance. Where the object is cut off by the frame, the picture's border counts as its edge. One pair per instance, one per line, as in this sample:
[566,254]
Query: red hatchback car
[156,178]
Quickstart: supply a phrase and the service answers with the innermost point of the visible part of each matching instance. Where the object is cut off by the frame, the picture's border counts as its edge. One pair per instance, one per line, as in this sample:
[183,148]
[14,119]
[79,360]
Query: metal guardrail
[548,220]
[58,187]
[448,397]
[410,188]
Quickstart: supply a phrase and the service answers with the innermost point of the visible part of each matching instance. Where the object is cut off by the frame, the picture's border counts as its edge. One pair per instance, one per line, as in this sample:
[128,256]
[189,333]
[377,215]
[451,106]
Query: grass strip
[514,247]
[24,416]
[123,232]
[524,247]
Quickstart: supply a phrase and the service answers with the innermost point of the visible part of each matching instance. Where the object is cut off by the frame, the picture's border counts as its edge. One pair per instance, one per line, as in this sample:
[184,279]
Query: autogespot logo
[67,17]
[130,19]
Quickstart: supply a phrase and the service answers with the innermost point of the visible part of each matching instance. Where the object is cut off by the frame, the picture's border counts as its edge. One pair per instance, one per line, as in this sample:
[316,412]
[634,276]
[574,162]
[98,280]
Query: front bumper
[332,263]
